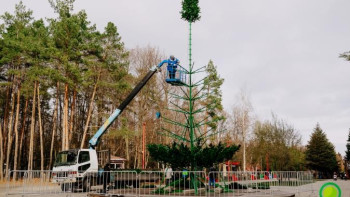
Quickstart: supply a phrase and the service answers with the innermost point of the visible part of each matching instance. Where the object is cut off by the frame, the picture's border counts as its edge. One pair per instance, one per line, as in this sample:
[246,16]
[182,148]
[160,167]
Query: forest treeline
[60,78]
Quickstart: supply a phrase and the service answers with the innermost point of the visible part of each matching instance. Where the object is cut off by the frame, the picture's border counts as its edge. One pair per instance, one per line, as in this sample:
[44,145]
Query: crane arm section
[96,138]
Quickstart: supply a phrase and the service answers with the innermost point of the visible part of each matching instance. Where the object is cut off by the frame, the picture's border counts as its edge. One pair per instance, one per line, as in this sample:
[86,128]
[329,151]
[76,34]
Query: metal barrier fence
[174,183]
[158,183]
[259,183]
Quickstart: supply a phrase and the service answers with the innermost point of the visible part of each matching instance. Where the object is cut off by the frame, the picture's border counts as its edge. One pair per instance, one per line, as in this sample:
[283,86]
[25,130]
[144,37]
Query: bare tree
[242,119]
[145,104]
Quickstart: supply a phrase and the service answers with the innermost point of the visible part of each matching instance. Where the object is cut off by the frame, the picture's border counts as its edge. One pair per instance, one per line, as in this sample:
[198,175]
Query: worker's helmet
[172,57]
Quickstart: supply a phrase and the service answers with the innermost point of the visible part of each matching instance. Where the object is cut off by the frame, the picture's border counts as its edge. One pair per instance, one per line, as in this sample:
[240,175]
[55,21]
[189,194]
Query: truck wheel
[65,187]
[74,186]
[86,185]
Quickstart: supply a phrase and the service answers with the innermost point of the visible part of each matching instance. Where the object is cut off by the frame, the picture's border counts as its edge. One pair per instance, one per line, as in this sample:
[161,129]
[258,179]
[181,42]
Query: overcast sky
[285,54]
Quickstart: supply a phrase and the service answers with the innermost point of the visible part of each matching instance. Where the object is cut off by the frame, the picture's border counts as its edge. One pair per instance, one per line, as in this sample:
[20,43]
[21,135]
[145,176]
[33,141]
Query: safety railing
[172,183]
[158,183]
[176,76]
[31,182]
[259,183]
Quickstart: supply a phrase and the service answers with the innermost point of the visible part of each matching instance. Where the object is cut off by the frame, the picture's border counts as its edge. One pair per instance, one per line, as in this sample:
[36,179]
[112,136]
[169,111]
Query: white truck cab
[74,163]
[74,167]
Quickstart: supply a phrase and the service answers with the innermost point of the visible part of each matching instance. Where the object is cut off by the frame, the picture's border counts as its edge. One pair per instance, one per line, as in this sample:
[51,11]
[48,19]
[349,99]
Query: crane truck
[81,168]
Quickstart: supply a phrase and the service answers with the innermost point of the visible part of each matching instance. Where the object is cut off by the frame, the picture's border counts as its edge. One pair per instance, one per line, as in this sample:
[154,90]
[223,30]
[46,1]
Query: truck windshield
[66,158]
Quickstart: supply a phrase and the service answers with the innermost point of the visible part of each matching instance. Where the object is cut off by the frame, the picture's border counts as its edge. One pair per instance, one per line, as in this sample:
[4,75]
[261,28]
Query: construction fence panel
[120,183]
[172,183]
[22,183]
[259,183]
[159,183]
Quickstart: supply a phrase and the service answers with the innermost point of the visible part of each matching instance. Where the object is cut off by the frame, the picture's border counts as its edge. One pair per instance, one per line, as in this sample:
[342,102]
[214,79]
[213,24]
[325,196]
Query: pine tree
[212,84]
[347,152]
[14,59]
[112,64]
[38,61]
[320,153]
[75,41]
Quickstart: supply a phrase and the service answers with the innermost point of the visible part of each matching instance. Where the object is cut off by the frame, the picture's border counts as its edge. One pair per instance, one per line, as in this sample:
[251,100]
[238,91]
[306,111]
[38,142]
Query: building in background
[117,163]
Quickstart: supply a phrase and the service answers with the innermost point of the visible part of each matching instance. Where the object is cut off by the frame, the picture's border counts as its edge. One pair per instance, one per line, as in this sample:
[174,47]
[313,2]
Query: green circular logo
[330,190]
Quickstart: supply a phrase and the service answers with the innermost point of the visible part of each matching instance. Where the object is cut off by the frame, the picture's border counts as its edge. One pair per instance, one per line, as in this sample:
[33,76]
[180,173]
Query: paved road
[344,186]
[310,190]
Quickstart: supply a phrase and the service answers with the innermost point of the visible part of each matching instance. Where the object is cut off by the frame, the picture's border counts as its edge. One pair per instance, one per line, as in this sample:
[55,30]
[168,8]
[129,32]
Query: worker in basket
[173,63]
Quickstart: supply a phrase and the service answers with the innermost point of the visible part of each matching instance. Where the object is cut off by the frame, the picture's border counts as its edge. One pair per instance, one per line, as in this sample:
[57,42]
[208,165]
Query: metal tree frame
[191,127]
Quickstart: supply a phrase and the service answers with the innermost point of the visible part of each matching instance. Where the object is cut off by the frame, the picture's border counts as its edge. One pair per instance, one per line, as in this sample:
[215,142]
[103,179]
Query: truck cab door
[84,161]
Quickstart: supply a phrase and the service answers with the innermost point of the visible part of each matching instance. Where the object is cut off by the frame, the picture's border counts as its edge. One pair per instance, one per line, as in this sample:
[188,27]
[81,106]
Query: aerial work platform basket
[176,76]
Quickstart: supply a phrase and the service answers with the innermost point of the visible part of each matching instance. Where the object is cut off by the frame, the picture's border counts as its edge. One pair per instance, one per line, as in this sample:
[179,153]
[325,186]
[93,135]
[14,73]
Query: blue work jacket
[172,64]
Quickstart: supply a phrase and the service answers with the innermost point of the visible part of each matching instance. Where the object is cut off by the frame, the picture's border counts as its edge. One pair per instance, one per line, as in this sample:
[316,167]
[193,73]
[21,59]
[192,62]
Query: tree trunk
[63,131]
[66,103]
[60,120]
[54,125]
[32,127]
[127,152]
[6,116]
[41,133]
[9,137]
[65,118]
[16,133]
[72,118]
[89,113]
[136,159]
[1,156]
[22,132]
